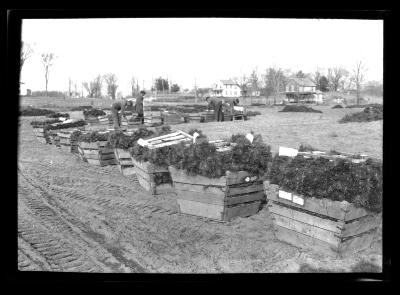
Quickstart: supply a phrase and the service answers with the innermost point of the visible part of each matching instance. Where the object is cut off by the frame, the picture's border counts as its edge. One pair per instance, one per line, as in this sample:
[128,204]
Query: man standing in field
[139,106]
[119,106]
[219,115]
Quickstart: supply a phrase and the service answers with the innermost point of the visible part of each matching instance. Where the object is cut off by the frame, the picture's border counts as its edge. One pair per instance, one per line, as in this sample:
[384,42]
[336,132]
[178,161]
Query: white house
[226,88]
[301,90]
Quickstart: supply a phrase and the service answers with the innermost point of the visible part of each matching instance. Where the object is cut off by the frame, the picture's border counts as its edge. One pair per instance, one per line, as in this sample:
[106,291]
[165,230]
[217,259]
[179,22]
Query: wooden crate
[124,161]
[55,140]
[172,119]
[208,116]
[152,120]
[98,121]
[330,227]
[41,135]
[65,141]
[145,172]
[238,194]
[193,118]
[97,153]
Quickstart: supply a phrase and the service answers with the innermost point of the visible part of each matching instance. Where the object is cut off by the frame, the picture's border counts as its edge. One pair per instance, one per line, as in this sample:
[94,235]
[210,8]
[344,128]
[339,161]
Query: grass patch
[299,108]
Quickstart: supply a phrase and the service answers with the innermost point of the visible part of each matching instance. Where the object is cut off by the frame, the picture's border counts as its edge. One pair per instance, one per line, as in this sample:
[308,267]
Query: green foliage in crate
[356,183]
[118,139]
[30,111]
[75,124]
[39,124]
[203,158]
[93,112]
[58,115]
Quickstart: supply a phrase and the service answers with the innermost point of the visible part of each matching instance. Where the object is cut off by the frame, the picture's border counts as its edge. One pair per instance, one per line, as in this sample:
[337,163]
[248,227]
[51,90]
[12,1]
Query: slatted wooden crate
[97,153]
[131,123]
[66,144]
[55,140]
[322,225]
[41,135]
[193,118]
[153,120]
[98,121]
[124,161]
[147,174]
[238,194]
[172,118]
[208,116]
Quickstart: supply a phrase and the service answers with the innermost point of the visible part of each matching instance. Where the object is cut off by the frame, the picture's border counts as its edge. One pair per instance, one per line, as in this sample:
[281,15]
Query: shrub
[299,108]
[118,139]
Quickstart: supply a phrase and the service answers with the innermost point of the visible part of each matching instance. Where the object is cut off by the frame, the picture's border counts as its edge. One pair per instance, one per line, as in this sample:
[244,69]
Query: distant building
[226,88]
[301,90]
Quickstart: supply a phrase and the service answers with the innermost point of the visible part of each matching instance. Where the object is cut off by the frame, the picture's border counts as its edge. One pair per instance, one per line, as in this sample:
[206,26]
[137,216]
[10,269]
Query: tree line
[271,82]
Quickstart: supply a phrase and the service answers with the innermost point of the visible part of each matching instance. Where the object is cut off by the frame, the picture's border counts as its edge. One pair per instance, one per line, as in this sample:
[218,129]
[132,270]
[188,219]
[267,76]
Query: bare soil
[74,217]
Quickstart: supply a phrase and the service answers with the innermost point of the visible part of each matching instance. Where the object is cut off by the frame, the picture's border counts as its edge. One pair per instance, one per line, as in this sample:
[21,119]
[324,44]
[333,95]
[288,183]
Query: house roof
[303,81]
[228,82]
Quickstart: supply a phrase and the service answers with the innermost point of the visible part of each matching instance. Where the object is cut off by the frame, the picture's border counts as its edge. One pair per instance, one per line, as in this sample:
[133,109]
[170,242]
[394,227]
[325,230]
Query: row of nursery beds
[306,212]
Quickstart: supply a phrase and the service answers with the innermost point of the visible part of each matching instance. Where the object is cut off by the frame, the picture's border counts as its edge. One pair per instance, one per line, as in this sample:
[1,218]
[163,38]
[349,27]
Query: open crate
[148,174]
[322,225]
[97,153]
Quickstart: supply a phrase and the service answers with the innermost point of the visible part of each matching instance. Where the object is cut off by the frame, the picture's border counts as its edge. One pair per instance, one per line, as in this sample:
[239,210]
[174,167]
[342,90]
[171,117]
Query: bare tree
[111,80]
[358,78]
[335,77]
[26,52]
[316,77]
[47,59]
[94,87]
[274,80]
[70,87]
[134,86]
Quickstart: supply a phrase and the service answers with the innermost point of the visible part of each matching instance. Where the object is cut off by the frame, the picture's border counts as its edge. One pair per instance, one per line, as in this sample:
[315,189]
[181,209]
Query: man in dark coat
[119,106]
[218,111]
[139,106]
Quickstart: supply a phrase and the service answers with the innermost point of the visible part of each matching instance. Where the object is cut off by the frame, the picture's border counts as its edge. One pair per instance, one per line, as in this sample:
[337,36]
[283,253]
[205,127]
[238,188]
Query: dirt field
[80,218]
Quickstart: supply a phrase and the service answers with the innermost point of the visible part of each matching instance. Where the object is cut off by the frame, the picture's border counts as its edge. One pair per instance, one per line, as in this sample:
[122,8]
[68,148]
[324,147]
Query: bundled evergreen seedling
[121,140]
[93,113]
[93,136]
[359,184]
[30,111]
[81,108]
[58,115]
[41,124]
[79,123]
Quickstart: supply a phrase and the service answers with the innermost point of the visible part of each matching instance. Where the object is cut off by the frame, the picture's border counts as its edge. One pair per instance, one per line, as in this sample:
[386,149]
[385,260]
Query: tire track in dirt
[64,254]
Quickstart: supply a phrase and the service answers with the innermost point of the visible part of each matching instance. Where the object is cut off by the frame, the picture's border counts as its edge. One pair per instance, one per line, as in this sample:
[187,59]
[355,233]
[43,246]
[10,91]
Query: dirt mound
[370,113]
[299,108]
[338,106]
[374,105]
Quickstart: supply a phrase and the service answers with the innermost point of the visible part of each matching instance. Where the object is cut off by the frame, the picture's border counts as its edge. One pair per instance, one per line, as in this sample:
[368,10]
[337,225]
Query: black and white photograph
[200,145]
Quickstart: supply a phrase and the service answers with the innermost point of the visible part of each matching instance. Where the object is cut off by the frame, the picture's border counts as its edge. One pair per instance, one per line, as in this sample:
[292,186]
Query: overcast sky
[205,49]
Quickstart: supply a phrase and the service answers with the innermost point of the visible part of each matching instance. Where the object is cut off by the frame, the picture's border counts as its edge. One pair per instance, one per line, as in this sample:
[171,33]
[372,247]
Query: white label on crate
[250,137]
[142,142]
[298,200]
[285,195]
[284,151]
